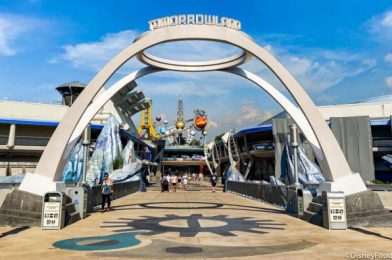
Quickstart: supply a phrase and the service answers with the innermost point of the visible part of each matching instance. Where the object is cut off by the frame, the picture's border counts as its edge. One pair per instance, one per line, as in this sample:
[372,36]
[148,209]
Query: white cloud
[94,55]
[318,69]
[181,87]
[251,115]
[388,81]
[386,19]
[212,125]
[315,69]
[388,57]
[381,27]
[13,28]
[193,50]
[247,115]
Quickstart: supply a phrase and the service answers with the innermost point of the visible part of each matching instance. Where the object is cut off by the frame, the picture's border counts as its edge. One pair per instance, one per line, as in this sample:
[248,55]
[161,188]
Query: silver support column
[86,138]
[294,145]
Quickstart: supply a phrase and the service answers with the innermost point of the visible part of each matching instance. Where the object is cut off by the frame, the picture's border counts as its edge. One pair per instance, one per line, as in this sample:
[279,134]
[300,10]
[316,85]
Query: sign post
[53,211]
[334,214]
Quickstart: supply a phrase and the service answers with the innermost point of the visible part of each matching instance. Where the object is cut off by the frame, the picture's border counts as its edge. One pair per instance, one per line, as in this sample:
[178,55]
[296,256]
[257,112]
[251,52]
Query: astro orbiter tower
[180,123]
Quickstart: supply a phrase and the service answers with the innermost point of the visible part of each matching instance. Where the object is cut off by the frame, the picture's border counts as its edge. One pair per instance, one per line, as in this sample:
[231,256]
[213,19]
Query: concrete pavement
[195,224]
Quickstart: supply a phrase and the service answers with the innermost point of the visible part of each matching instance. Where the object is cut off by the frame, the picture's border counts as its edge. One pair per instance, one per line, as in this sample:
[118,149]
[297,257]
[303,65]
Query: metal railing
[257,146]
[276,195]
[26,140]
[3,139]
[121,189]
[31,140]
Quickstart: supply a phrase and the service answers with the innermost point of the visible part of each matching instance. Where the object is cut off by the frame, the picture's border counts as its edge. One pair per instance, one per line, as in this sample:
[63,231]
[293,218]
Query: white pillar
[11,136]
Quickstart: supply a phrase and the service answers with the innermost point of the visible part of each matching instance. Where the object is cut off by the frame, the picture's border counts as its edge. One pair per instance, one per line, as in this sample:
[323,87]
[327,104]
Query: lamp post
[204,133]
[294,145]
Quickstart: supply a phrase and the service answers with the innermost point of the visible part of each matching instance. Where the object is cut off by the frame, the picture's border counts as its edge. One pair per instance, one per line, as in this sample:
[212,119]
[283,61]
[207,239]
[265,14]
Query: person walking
[200,176]
[213,180]
[179,181]
[106,189]
[173,181]
[184,181]
[165,183]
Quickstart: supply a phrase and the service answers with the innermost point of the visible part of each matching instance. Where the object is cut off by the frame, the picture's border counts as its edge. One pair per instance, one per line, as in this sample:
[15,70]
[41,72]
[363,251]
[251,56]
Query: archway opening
[333,162]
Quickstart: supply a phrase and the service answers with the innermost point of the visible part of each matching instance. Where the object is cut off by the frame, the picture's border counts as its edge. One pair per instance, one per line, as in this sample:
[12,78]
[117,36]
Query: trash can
[90,202]
[78,196]
[53,210]
[334,212]
[295,200]
[292,199]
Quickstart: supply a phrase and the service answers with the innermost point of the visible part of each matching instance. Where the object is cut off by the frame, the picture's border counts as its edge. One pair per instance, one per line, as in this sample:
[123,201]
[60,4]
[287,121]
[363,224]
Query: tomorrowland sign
[195,19]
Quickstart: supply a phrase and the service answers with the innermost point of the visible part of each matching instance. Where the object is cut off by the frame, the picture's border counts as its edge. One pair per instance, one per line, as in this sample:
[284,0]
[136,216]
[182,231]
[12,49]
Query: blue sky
[339,51]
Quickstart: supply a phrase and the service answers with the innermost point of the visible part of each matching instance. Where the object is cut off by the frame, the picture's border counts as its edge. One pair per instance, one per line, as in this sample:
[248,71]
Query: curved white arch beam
[102,99]
[285,103]
[334,165]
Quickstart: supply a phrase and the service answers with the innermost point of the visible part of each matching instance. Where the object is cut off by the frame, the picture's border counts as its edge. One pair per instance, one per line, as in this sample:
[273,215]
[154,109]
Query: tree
[218,138]
[195,142]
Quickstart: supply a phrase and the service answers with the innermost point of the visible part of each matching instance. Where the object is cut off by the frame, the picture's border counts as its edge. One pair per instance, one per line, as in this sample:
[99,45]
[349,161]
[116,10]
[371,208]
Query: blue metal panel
[134,138]
[377,122]
[262,128]
[28,122]
[38,123]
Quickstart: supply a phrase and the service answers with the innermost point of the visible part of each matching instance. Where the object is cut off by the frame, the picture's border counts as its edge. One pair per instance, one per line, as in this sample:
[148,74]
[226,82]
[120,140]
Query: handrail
[273,194]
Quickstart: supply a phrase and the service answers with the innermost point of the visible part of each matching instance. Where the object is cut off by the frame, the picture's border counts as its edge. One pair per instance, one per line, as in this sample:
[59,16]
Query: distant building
[25,128]
[184,159]
[375,138]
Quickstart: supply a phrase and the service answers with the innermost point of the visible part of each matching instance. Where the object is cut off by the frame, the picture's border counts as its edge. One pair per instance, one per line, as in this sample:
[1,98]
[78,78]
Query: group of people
[168,180]
[197,177]
[173,180]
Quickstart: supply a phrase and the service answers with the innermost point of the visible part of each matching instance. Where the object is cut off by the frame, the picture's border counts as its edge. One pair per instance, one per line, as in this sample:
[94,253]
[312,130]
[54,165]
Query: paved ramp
[193,224]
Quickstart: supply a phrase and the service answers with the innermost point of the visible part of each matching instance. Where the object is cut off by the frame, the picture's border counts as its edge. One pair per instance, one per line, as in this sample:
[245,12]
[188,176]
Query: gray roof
[77,84]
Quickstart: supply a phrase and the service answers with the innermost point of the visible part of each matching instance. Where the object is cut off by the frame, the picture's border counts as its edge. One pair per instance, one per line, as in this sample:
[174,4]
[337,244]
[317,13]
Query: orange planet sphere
[200,122]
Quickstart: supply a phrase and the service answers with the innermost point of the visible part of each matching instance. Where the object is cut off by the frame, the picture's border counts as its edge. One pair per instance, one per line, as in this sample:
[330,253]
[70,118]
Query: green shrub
[379,182]
[118,163]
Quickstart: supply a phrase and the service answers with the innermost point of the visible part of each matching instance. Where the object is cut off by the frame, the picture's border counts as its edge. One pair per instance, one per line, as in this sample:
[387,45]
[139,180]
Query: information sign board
[51,215]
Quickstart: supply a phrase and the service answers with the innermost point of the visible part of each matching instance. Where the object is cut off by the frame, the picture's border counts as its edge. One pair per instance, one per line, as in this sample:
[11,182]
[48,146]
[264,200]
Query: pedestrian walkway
[193,224]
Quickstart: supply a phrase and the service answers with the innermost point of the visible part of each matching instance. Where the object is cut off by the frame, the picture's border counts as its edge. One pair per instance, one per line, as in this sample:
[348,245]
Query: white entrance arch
[334,165]
[291,109]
